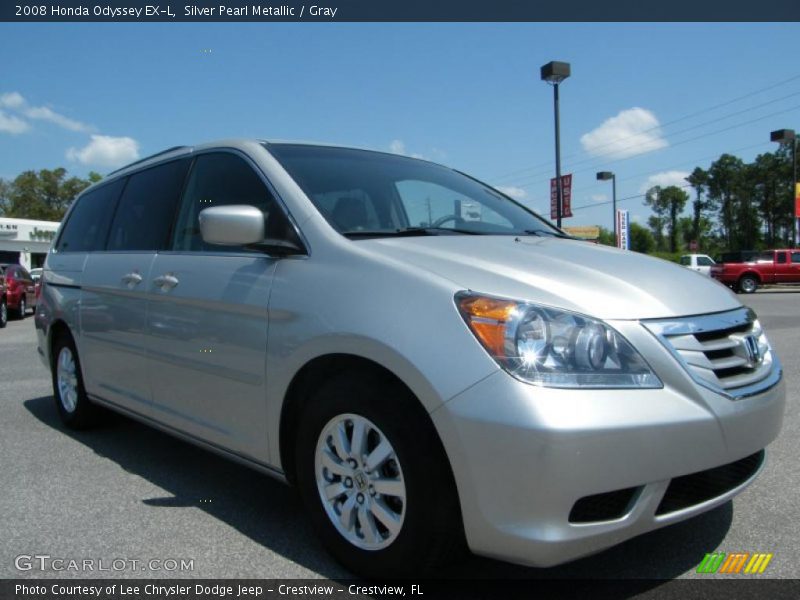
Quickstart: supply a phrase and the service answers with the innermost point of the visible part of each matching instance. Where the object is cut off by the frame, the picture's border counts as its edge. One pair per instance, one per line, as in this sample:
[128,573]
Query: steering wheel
[441,220]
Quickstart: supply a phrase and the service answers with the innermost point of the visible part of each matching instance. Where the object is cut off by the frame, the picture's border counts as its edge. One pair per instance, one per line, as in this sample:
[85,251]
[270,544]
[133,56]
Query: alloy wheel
[360,482]
[67,379]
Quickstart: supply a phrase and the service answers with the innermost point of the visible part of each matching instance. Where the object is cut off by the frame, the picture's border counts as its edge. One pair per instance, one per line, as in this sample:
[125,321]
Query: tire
[409,521]
[22,308]
[74,407]
[748,284]
[3,313]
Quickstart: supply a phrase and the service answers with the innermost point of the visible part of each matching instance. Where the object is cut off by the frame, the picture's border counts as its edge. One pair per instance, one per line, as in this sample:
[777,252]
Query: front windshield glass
[366,194]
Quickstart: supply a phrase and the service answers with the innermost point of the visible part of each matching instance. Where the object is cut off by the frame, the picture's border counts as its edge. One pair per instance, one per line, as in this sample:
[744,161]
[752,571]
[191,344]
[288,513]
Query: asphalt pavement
[126,492]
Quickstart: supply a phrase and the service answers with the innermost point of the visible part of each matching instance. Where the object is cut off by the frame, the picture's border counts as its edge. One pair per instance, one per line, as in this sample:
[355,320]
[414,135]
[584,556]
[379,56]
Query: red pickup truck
[768,267]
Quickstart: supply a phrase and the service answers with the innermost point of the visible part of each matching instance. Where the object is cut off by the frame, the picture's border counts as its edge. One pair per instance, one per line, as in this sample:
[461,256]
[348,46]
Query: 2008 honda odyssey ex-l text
[431,363]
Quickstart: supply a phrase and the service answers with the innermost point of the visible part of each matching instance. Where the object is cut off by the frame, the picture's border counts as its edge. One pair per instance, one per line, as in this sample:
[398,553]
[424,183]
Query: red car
[19,290]
[768,267]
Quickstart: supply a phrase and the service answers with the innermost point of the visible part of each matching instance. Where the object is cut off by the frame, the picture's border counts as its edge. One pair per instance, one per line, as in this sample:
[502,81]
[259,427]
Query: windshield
[372,194]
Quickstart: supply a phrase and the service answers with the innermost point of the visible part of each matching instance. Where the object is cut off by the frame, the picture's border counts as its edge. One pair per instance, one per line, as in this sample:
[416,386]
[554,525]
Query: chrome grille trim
[725,352]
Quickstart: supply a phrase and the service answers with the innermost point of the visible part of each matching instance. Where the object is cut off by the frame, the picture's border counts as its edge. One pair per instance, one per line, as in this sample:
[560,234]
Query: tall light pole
[605,176]
[554,73]
[787,136]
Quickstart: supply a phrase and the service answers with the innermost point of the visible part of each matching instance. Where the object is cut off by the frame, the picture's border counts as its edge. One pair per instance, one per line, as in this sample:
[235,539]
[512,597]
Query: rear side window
[782,257]
[144,215]
[686,261]
[87,226]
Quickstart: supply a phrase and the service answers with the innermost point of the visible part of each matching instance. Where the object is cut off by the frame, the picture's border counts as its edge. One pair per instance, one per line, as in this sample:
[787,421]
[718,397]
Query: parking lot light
[605,176]
[554,73]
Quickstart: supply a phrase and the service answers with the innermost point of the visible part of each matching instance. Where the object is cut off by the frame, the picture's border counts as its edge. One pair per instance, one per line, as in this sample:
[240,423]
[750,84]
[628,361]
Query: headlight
[554,348]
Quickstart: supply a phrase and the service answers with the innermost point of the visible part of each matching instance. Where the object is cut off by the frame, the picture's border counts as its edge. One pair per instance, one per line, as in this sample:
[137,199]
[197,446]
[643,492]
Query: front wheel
[73,405]
[748,284]
[23,308]
[375,480]
[3,313]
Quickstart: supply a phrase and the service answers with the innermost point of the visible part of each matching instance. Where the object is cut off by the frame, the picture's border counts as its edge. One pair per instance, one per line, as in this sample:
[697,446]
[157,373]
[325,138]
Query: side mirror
[242,225]
[234,225]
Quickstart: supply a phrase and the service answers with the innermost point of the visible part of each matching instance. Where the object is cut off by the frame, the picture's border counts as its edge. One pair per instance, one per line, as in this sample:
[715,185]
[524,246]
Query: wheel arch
[754,274]
[321,369]
[57,328]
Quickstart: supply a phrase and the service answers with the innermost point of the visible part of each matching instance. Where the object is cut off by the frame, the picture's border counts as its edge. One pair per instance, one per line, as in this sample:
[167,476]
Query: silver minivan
[432,364]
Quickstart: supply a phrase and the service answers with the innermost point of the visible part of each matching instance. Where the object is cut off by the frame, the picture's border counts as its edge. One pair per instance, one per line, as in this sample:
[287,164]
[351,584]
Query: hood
[595,280]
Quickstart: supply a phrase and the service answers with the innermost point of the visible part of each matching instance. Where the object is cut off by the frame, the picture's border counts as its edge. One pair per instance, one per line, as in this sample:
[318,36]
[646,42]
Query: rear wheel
[375,480]
[748,284]
[73,405]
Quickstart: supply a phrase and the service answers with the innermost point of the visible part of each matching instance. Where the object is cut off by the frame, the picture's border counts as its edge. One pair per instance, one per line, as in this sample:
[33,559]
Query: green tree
[606,237]
[641,240]
[724,177]
[43,195]
[5,189]
[667,204]
[699,182]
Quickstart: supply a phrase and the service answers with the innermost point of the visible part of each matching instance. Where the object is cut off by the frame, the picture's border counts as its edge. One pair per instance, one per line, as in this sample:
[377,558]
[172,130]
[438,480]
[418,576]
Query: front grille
[602,507]
[726,352]
[690,490]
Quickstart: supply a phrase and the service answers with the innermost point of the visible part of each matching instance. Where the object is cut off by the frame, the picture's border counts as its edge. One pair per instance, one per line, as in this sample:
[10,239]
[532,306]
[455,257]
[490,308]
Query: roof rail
[146,158]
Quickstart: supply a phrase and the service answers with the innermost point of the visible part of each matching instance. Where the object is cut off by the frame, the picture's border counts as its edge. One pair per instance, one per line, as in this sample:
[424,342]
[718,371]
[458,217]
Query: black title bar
[400,10]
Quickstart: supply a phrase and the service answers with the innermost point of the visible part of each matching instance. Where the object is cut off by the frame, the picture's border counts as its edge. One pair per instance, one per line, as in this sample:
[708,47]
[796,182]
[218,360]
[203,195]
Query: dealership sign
[566,197]
[623,229]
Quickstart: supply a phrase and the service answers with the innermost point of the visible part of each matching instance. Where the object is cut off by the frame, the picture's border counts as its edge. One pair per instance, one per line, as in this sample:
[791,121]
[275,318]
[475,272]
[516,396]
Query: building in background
[25,242]
[585,232]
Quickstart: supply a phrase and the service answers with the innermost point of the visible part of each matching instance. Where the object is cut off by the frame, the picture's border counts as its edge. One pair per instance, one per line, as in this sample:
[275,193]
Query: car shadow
[271,514]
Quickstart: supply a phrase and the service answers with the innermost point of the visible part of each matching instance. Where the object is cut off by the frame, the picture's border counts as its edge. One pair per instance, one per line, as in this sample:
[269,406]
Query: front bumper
[522,456]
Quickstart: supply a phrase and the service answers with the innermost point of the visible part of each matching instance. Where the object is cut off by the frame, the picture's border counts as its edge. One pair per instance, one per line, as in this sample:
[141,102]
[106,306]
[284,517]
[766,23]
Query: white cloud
[106,151]
[399,147]
[16,102]
[511,190]
[11,100]
[633,131]
[45,114]
[11,124]
[598,197]
[665,179]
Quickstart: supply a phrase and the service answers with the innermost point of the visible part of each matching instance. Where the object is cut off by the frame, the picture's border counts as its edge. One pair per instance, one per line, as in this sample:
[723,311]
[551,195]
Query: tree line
[41,195]
[733,205]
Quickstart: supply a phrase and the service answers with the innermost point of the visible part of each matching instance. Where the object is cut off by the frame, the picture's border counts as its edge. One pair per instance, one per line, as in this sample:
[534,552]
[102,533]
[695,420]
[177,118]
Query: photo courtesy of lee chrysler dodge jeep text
[432,364]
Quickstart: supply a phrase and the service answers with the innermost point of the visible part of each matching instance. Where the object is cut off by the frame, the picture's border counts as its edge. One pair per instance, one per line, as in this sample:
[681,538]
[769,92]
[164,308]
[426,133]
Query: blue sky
[90,96]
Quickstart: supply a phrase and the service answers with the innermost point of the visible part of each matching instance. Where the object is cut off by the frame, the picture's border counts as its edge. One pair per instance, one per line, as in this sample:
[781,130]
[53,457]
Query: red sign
[797,200]
[566,195]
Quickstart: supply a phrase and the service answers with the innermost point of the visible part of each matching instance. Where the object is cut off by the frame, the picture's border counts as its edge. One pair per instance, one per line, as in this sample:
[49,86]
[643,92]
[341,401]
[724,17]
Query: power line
[672,122]
[686,141]
[622,199]
[687,162]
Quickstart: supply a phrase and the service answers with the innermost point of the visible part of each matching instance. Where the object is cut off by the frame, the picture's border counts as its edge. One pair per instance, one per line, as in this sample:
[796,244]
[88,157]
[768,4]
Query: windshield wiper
[409,232]
[437,230]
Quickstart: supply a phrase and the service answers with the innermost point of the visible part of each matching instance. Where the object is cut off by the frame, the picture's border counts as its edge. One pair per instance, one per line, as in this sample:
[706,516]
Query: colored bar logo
[735,562]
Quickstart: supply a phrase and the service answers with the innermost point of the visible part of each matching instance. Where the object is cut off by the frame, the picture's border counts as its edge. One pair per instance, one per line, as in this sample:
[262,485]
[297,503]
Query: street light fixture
[786,136]
[605,176]
[554,73]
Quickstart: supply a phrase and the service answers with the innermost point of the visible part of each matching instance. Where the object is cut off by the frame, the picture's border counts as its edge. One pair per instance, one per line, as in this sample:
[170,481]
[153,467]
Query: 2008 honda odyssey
[429,361]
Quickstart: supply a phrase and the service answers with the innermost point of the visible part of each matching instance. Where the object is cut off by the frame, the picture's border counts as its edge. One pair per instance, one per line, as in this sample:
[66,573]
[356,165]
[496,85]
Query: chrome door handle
[131,279]
[166,282]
